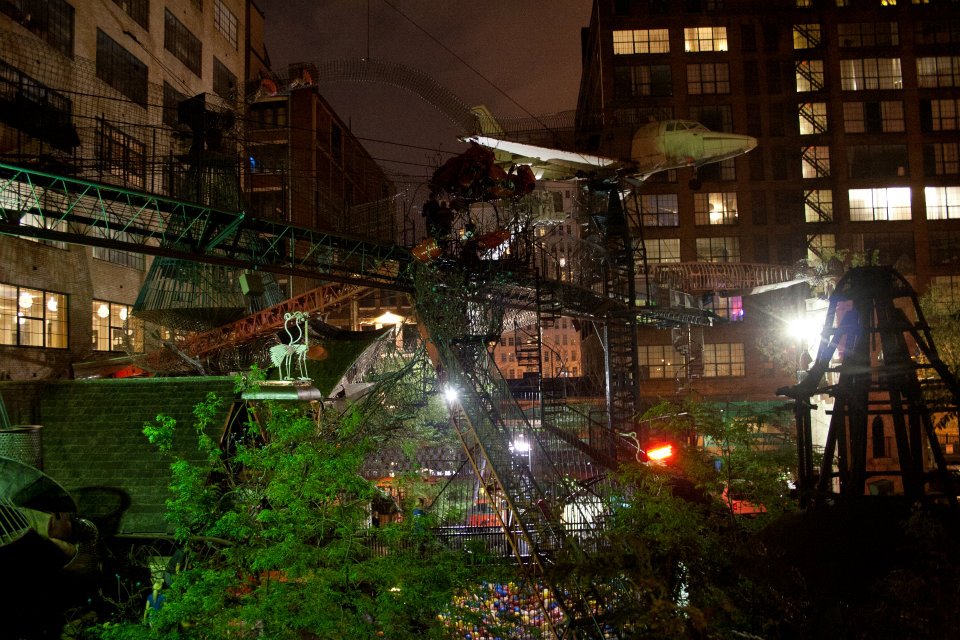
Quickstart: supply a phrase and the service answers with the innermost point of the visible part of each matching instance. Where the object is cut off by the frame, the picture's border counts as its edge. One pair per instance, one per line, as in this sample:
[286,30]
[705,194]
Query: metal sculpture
[283,355]
[884,373]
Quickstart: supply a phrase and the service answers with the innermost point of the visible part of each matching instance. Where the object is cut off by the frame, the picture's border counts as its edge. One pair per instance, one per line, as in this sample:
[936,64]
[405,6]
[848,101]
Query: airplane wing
[548,163]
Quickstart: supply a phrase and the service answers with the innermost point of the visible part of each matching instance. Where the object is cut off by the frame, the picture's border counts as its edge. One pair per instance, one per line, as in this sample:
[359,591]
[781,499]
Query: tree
[297,557]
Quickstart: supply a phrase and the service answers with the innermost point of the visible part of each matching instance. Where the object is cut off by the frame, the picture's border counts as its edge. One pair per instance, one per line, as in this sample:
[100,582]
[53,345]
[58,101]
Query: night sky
[529,51]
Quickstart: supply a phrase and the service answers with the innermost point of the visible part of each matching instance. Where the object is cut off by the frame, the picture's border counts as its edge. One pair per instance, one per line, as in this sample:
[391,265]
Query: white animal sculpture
[282,355]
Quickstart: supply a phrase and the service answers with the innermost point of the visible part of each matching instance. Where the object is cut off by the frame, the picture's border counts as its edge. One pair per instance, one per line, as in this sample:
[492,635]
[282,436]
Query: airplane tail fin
[486,122]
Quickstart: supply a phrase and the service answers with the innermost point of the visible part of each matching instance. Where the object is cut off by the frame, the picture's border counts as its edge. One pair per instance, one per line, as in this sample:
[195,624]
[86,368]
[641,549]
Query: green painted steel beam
[36,204]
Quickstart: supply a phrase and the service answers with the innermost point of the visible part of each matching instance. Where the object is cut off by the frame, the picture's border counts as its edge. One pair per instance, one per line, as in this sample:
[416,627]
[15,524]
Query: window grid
[50,20]
[945,293]
[122,156]
[815,162]
[708,78]
[715,208]
[628,42]
[720,249]
[139,10]
[643,80]
[702,39]
[868,34]
[225,21]
[874,205]
[730,308]
[944,114]
[806,36]
[224,81]
[114,328]
[943,158]
[721,360]
[813,118]
[818,205]
[660,361]
[662,250]
[945,248]
[865,74]
[171,104]
[939,32]
[809,75]
[943,203]
[121,69]
[659,210]
[178,40]
[940,71]
[821,245]
[33,317]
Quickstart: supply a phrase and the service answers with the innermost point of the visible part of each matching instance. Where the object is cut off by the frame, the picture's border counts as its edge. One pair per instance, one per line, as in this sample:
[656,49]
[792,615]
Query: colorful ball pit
[503,611]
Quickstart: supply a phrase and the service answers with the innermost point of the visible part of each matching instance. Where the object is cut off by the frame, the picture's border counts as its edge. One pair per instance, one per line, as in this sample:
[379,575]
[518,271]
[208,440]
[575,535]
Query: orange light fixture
[661,452]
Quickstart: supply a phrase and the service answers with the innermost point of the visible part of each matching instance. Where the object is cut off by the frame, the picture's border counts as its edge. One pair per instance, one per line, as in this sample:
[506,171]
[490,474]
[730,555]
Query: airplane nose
[727,145]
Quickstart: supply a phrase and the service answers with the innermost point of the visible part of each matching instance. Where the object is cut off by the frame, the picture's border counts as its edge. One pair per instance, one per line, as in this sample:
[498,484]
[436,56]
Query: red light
[661,452]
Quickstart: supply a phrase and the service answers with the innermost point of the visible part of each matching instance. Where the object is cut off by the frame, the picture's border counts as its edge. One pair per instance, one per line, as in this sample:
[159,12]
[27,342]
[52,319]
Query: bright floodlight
[521,446]
[388,318]
[451,394]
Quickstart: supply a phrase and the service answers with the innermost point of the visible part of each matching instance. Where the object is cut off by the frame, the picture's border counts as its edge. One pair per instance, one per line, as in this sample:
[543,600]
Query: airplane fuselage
[673,144]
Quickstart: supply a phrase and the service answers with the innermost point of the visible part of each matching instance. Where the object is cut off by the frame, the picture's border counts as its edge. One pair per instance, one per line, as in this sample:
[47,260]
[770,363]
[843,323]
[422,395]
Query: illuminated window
[663,250]
[809,75]
[943,115]
[32,317]
[864,74]
[815,162]
[942,71]
[818,205]
[941,158]
[730,309]
[820,246]
[806,36]
[813,118]
[659,210]
[804,4]
[868,34]
[708,78]
[225,22]
[943,203]
[698,39]
[628,42]
[715,208]
[869,205]
[723,249]
[659,361]
[114,327]
[723,360]
[884,116]
[642,80]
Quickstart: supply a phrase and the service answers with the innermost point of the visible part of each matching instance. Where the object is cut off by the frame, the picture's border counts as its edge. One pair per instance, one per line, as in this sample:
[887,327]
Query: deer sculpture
[283,355]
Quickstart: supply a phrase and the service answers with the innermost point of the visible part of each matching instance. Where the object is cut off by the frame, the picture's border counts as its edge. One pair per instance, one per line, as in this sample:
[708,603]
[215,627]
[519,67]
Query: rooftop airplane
[657,146]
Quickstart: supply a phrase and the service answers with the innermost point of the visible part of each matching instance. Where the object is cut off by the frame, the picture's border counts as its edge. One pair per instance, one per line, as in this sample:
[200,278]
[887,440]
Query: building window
[877,438]
[868,34]
[877,161]
[890,248]
[32,317]
[121,156]
[941,116]
[941,158]
[121,69]
[659,361]
[723,249]
[659,210]
[722,360]
[806,36]
[942,71]
[663,250]
[943,203]
[813,118]
[945,31]
[714,117]
[178,40]
[50,20]
[809,75]
[820,246]
[873,117]
[224,81]
[171,105]
[628,42]
[717,171]
[945,292]
[730,309]
[699,39]
[114,328]
[643,80]
[225,21]
[815,162]
[715,208]
[708,78]
[864,74]
[139,10]
[945,248]
[870,205]
[818,205]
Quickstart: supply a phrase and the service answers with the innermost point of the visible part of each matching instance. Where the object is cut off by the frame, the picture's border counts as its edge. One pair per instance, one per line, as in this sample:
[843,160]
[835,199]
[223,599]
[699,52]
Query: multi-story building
[854,104]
